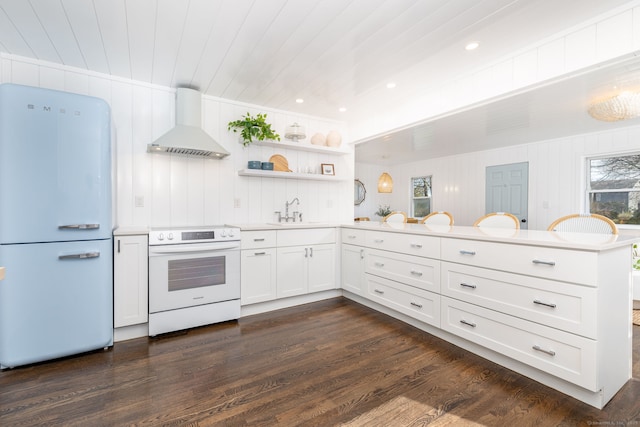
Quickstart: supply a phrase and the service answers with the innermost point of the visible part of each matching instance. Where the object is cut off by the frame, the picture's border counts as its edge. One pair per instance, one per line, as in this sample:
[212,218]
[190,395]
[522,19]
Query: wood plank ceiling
[331,53]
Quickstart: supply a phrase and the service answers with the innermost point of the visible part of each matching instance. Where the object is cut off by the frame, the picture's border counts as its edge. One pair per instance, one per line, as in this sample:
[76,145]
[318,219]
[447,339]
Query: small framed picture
[327,169]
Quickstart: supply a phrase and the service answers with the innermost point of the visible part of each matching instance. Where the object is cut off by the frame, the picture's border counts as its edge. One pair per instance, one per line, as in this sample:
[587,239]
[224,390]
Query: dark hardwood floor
[329,363]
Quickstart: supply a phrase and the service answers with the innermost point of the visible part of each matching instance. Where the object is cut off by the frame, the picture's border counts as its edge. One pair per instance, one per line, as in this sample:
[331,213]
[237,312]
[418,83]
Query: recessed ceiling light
[391,85]
[299,100]
[472,45]
[342,109]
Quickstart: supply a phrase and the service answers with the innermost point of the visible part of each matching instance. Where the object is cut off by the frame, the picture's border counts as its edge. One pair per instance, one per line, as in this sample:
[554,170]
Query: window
[613,187]
[420,196]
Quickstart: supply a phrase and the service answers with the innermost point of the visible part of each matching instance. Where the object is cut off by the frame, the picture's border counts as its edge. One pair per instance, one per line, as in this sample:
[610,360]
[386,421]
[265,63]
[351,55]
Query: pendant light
[385,183]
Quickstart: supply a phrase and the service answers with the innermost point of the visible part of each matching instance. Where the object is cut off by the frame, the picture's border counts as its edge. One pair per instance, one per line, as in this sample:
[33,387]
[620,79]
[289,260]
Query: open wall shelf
[287,175]
[304,146]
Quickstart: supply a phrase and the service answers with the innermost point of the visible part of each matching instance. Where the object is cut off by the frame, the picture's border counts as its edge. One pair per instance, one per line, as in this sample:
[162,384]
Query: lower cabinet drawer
[560,305]
[416,271]
[417,303]
[567,356]
[412,244]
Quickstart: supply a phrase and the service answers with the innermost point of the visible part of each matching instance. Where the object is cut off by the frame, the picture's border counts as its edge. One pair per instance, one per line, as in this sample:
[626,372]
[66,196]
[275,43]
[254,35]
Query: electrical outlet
[545,204]
[329,203]
[237,203]
[139,201]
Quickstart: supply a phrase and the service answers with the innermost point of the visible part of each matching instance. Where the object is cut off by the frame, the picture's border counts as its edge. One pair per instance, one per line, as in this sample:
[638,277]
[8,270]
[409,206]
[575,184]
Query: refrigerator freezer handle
[79,227]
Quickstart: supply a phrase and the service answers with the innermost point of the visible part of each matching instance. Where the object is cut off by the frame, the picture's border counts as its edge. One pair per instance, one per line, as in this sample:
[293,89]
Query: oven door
[193,274]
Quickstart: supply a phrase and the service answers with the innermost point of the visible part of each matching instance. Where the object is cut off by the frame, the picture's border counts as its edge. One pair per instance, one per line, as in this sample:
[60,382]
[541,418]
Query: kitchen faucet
[286,212]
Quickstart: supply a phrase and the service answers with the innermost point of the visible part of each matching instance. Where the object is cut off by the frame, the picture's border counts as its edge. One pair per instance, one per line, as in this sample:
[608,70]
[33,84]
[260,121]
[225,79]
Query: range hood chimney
[187,137]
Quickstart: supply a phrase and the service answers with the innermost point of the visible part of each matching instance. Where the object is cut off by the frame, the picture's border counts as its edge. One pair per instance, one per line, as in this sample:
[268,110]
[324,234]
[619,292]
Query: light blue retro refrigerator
[55,225]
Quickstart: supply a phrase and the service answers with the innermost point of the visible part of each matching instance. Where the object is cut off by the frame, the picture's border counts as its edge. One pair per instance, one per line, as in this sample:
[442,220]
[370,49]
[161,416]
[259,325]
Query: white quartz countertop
[131,231]
[580,241]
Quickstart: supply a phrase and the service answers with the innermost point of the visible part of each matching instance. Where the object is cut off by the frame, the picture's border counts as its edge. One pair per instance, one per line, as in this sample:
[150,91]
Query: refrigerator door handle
[80,256]
[79,227]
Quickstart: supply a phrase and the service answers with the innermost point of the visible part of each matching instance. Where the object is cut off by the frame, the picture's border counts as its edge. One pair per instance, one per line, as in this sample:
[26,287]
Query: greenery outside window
[420,196]
[613,187]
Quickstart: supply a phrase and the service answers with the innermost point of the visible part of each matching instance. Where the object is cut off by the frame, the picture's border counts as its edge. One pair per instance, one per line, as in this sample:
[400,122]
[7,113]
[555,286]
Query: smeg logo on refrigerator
[48,109]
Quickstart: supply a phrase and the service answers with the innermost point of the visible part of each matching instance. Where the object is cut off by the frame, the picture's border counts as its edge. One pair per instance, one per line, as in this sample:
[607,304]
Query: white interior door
[507,190]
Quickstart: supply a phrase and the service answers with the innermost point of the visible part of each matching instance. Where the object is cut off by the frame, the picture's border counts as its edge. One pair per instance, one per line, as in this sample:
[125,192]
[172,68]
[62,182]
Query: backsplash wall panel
[179,191]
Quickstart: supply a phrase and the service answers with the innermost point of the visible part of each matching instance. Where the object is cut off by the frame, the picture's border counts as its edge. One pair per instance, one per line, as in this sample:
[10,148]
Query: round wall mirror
[359,192]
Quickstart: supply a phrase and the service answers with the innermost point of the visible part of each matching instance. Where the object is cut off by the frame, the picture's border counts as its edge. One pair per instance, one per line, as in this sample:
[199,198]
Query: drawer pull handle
[549,352]
[541,261]
[351,236]
[546,304]
[473,325]
[378,264]
[463,252]
[378,291]
[415,304]
[259,240]
[416,245]
[416,273]
[259,253]
[378,240]
[468,285]
[361,253]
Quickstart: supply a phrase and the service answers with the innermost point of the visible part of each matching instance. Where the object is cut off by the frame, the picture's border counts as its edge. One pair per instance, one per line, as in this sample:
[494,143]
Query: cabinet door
[322,267]
[292,271]
[258,277]
[353,269]
[131,289]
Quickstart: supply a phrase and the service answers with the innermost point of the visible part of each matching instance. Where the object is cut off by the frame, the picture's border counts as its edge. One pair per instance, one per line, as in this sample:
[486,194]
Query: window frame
[587,182]
[412,197]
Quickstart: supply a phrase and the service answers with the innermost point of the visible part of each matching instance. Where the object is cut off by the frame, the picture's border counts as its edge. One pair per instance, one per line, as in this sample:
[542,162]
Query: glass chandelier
[624,106]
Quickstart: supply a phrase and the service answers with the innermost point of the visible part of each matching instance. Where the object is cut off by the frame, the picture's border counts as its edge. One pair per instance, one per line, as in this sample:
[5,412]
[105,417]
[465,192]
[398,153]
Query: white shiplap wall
[179,191]
[556,177]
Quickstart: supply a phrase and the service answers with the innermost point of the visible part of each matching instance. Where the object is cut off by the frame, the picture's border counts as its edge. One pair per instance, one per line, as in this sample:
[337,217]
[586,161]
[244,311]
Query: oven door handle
[191,248]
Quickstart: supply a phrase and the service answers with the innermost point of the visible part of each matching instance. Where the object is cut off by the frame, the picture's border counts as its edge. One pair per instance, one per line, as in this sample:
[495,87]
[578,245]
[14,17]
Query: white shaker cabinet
[306,261]
[353,269]
[130,278]
[258,266]
[353,261]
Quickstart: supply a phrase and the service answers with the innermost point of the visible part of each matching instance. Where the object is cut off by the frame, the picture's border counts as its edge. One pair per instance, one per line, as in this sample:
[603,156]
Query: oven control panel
[176,236]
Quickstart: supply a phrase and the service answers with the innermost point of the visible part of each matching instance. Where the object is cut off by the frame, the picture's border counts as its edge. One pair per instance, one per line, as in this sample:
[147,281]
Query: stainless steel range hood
[187,137]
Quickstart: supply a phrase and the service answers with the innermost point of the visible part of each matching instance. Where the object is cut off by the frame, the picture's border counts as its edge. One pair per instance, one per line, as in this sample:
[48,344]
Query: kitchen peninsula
[552,306]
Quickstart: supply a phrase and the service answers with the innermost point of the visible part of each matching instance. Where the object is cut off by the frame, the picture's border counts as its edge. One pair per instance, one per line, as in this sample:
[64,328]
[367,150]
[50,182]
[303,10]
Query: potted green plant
[253,128]
[383,210]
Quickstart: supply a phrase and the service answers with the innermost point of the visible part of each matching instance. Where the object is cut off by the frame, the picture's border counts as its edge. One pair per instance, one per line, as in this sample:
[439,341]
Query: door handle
[523,220]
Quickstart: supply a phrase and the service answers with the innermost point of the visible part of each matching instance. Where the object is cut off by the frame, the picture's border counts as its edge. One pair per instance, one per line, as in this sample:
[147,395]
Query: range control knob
[231,232]
[170,236]
[223,233]
[160,236]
